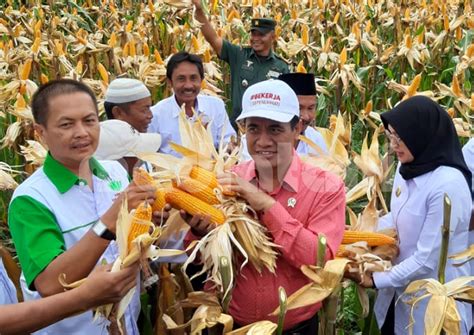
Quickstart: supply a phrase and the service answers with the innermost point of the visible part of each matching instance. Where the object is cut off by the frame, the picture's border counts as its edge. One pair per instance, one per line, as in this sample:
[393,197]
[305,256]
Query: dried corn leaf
[324,281]
[465,255]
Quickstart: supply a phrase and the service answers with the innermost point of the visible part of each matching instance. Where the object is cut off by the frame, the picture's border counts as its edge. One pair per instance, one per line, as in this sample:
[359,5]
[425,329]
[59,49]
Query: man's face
[72,128]
[137,114]
[186,83]
[270,143]
[307,110]
[261,43]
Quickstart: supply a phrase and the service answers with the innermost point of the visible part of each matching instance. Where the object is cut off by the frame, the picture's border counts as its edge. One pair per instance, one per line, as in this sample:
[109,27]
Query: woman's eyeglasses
[393,138]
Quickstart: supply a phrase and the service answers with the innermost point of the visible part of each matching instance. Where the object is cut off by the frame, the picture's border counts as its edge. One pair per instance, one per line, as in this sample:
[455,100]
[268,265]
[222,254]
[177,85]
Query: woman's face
[401,150]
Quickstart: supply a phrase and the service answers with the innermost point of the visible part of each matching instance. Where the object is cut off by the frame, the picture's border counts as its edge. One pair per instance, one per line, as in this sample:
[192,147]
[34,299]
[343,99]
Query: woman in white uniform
[431,164]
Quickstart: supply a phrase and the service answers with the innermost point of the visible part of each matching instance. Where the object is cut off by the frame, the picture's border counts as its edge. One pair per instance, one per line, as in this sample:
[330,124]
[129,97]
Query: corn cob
[160,200]
[182,200]
[199,190]
[208,178]
[140,222]
[372,239]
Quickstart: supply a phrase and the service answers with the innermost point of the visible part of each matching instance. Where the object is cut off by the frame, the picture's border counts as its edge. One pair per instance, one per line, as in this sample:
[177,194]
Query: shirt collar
[270,55]
[291,181]
[177,108]
[63,179]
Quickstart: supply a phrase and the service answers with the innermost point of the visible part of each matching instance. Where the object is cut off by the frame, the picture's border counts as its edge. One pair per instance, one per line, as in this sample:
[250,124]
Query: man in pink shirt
[294,200]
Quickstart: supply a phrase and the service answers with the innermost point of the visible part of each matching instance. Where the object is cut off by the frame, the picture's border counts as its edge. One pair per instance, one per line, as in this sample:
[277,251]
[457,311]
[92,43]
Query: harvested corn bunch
[182,200]
[194,177]
[372,239]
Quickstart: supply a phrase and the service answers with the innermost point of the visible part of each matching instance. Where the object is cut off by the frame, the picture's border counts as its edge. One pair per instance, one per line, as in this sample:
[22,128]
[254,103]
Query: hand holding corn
[200,223]
[256,198]
[135,195]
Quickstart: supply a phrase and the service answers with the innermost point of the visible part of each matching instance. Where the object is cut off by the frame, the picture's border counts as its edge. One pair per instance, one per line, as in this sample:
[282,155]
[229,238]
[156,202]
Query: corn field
[367,55]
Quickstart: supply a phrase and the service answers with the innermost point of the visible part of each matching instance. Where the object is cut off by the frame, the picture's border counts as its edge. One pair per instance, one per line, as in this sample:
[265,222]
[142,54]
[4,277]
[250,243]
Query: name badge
[273,74]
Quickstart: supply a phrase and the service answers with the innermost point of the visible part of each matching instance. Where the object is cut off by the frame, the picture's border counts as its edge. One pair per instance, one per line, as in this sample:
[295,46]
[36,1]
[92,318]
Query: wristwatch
[101,230]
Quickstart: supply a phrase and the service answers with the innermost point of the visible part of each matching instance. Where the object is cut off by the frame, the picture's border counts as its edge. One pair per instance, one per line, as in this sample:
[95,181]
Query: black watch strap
[101,230]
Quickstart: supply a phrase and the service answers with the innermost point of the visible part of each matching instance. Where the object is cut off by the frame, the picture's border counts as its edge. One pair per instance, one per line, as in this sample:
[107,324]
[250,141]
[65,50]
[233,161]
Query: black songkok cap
[263,25]
[301,83]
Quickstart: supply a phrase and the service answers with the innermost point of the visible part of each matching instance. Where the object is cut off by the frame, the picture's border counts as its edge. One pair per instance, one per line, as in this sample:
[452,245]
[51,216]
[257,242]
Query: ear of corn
[199,190]
[140,222]
[182,200]
[208,178]
[160,200]
[372,239]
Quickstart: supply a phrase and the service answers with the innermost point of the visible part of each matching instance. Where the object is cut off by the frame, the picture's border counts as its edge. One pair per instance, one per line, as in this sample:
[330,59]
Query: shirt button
[82,183]
[245,83]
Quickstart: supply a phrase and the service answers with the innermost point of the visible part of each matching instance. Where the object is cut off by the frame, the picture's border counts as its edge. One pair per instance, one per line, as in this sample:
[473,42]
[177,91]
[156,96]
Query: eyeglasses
[393,138]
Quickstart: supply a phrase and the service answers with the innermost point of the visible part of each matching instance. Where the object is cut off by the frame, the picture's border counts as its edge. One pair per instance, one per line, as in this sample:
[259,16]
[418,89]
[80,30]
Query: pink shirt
[319,207]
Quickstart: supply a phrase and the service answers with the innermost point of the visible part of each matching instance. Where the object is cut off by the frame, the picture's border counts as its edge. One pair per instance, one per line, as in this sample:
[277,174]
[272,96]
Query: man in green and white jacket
[62,218]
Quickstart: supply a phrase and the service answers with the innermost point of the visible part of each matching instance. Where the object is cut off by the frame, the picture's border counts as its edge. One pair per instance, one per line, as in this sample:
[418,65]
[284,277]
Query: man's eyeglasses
[393,138]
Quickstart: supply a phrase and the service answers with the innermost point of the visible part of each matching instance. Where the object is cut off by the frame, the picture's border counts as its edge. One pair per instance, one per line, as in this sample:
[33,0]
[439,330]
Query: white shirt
[302,148]
[7,289]
[468,152]
[75,211]
[165,120]
[417,214]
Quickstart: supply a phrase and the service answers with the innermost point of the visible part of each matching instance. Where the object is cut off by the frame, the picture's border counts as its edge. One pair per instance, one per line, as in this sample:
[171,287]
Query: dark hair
[54,88]
[180,57]
[108,106]
[294,122]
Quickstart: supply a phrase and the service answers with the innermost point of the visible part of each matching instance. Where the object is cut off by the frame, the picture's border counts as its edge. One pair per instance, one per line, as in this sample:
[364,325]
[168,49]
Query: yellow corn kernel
[305,34]
[300,68]
[206,177]
[26,69]
[414,85]
[199,190]
[103,73]
[112,40]
[455,87]
[146,49]
[43,79]
[140,222]
[158,58]
[160,200]
[182,200]
[372,239]
[343,56]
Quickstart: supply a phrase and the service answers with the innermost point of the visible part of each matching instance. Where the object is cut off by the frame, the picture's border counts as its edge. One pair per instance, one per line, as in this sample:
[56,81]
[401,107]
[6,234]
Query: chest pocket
[247,75]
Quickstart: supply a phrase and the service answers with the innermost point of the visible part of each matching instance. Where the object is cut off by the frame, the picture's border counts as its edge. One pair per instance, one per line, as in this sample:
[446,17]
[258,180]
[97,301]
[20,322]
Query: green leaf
[420,30]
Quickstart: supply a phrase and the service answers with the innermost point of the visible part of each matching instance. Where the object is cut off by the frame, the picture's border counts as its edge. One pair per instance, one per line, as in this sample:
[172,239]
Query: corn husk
[441,312]
[208,313]
[141,248]
[464,256]
[324,281]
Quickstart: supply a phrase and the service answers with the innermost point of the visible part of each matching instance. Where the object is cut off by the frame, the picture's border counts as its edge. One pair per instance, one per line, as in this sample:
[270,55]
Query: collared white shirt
[7,289]
[302,148]
[209,108]
[75,211]
[417,215]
